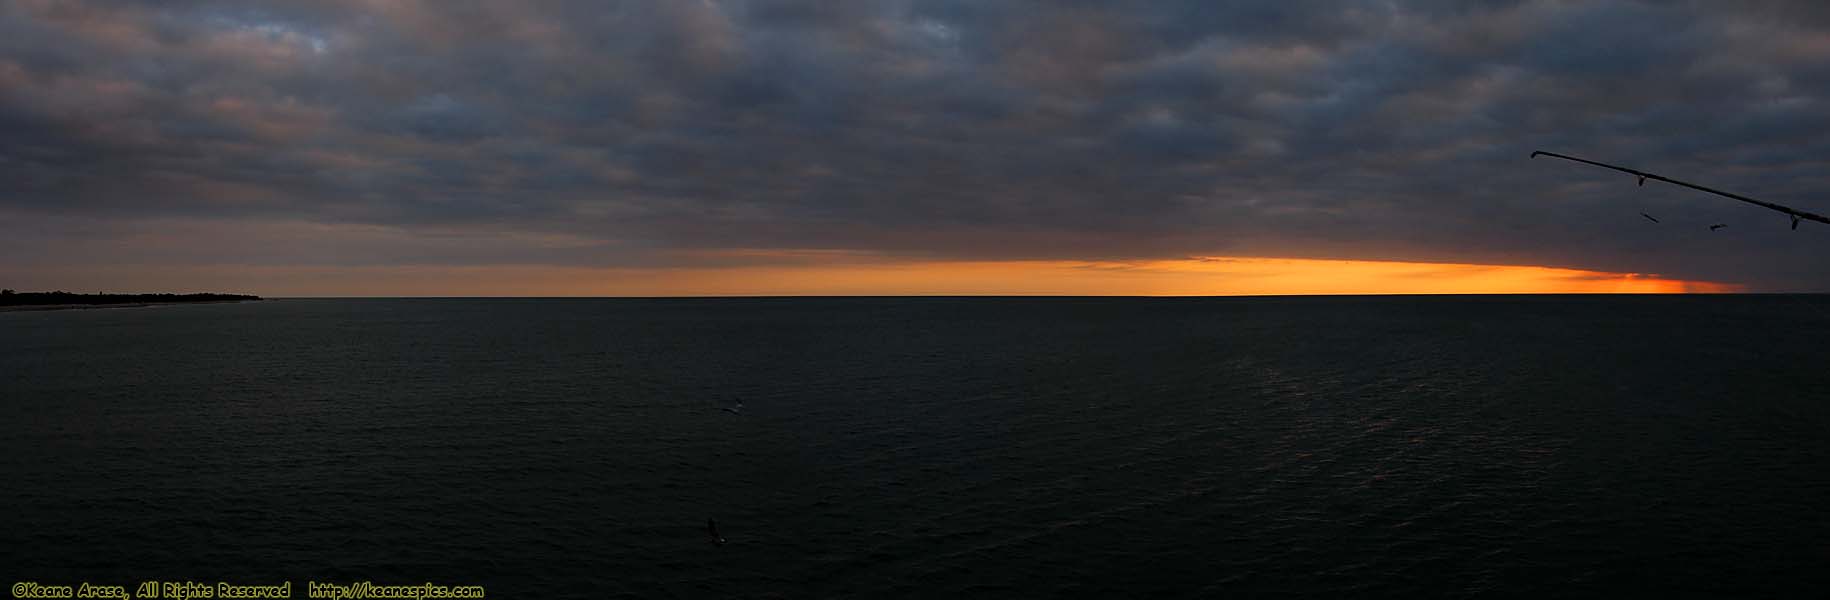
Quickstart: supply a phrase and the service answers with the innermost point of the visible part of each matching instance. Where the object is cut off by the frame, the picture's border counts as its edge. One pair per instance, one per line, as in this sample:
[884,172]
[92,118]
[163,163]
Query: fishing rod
[1643,176]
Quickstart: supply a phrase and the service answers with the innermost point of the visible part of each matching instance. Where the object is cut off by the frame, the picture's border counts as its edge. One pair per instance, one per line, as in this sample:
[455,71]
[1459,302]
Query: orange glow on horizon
[1187,277]
[850,274]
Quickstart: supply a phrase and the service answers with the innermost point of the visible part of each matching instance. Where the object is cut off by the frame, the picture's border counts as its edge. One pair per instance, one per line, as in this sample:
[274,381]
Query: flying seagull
[711,527]
[736,410]
[1643,176]
[1719,226]
[1649,217]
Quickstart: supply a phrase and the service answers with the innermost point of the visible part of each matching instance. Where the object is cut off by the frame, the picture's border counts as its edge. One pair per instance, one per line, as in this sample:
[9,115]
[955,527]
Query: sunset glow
[845,275]
[1191,277]
[736,147]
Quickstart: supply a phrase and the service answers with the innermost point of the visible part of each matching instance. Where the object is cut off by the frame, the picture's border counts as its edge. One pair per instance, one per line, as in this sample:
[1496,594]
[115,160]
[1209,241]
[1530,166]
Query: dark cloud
[931,128]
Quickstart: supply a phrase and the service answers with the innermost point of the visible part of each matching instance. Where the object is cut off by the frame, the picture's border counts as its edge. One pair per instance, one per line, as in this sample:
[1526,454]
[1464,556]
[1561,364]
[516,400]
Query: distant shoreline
[42,307]
[61,300]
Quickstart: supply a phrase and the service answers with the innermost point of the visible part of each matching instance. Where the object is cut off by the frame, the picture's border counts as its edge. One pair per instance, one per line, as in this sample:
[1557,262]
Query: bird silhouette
[1649,217]
[1717,226]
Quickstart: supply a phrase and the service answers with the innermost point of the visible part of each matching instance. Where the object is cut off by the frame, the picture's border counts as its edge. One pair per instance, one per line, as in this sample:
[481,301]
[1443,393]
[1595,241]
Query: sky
[772,147]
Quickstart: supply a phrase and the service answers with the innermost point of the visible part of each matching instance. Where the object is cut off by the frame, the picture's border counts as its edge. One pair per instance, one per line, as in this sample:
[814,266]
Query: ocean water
[924,447]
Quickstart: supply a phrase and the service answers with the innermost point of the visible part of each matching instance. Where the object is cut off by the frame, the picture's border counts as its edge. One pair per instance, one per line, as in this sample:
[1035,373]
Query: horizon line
[1066,296]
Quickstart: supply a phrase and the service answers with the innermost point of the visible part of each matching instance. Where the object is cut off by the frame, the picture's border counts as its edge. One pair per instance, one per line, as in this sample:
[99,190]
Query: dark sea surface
[928,447]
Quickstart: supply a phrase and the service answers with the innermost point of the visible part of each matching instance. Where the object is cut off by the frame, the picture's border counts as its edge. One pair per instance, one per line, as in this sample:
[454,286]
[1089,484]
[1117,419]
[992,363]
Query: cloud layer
[641,134]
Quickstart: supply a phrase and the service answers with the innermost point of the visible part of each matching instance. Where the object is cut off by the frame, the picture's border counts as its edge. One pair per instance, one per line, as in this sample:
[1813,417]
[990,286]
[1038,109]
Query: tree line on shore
[12,298]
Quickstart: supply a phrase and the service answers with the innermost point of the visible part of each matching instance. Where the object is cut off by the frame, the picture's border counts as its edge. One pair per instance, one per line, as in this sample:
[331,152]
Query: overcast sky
[192,137]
